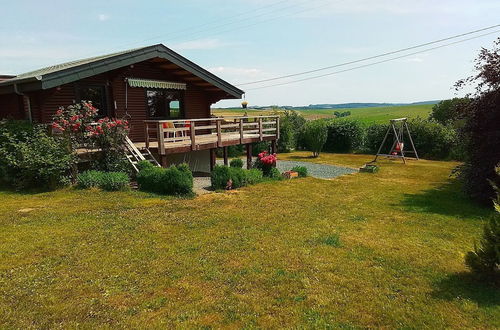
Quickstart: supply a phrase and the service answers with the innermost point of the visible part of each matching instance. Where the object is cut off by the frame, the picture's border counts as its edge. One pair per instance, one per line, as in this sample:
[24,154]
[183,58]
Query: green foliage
[175,180]
[374,136]
[448,111]
[481,130]
[30,158]
[344,136]
[485,259]
[89,179]
[221,175]
[291,124]
[144,164]
[258,147]
[253,176]
[275,174]
[339,114]
[109,181]
[237,162]
[302,170]
[315,135]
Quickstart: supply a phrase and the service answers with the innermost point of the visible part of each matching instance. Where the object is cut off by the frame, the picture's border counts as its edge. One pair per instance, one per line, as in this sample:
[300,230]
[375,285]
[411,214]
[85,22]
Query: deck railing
[221,131]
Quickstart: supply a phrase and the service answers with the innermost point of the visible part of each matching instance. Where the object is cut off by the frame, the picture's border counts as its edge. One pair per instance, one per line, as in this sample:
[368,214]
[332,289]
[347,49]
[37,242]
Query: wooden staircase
[135,155]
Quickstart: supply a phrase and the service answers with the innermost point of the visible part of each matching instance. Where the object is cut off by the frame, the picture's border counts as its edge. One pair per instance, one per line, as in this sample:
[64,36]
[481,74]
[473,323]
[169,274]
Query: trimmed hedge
[109,181]
[344,136]
[175,180]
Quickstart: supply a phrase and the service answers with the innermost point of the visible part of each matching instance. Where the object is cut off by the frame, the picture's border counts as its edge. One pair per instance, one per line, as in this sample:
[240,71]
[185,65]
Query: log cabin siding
[11,106]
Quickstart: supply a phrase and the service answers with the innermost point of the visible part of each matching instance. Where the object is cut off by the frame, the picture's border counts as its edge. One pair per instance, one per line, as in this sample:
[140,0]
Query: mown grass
[365,115]
[362,250]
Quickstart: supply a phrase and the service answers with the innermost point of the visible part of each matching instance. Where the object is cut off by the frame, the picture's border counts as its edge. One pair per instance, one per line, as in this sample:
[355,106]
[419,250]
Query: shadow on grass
[466,286]
[447,199]
[298,158]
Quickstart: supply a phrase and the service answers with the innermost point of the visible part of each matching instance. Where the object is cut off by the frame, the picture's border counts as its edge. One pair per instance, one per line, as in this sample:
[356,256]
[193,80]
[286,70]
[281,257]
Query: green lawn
[362,250]
[367,115]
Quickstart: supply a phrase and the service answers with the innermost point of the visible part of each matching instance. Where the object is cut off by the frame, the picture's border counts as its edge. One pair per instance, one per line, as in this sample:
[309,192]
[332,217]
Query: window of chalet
[164,103]
[96,94]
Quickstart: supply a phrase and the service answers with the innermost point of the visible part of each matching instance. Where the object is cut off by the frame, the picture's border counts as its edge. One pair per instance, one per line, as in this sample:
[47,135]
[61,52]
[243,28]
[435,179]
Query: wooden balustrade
[171,136]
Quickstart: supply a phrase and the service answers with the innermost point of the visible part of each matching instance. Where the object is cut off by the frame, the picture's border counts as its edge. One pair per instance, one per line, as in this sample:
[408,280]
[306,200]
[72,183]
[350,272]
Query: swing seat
[399,147]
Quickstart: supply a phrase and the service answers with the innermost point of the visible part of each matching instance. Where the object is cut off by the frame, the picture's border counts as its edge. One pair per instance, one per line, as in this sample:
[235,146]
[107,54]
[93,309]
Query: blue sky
[248,40]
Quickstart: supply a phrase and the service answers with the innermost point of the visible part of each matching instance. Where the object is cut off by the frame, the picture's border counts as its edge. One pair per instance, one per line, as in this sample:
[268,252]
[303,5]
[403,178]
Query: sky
[248,40]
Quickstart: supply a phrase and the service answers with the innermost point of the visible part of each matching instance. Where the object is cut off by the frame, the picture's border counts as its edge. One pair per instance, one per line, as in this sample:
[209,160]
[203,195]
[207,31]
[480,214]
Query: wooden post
[277,128]
[212,159]
[273,146]
[146,132]
[224,150]
[193,136]
[241,130]
[219,133]
[164,161]
[260,130]
[161,139]
[249,155]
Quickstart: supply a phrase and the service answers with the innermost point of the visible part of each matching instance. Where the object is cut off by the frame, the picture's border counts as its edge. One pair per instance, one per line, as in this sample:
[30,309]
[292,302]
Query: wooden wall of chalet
[11,106]
[45,103]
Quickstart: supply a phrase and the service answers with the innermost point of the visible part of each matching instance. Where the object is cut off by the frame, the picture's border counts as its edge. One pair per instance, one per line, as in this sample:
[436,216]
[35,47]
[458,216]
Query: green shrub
[302,170]
[315,134]
[374,135]
[240,177]
[253,176]
[115,181]
[275,174]
[144,164]
[30,158]
[291,124]
[344,136]
[109,181]
[220,176]
[237,162]
[89,179]
[448,111]
[175,180]
[432,139]
[485,259]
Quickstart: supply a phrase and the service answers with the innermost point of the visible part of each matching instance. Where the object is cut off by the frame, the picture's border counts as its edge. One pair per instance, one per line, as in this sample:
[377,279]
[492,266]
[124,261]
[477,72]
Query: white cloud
[199,44]
[238,74]
[103,17]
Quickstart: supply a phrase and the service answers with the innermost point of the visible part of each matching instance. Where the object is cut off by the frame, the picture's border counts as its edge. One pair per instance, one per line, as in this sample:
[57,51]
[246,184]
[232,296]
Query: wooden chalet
[165,97]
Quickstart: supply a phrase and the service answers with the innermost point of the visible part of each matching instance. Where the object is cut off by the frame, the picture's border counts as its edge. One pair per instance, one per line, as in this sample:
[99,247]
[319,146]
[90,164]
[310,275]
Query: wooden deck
[180,136]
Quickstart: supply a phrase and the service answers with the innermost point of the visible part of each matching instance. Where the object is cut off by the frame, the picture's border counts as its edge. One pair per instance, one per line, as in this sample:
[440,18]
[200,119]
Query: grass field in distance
[367,115]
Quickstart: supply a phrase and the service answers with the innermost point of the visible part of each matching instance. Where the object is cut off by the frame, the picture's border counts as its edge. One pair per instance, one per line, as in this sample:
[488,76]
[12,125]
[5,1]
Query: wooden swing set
[398,127]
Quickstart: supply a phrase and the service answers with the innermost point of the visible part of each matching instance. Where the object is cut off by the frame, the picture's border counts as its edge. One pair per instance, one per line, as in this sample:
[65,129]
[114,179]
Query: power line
[369,58]
[231,21]
[375,63]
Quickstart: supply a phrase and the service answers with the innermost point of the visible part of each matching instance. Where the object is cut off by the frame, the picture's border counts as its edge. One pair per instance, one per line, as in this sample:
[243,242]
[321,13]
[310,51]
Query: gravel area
[201,185]
[321,171]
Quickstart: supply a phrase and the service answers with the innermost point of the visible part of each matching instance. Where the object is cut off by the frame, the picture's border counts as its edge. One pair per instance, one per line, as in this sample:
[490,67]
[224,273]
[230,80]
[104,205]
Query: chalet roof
[56,75]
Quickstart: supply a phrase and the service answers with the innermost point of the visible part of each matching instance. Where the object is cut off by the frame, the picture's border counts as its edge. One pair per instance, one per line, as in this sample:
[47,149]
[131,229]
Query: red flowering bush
[266,162]
[78,126]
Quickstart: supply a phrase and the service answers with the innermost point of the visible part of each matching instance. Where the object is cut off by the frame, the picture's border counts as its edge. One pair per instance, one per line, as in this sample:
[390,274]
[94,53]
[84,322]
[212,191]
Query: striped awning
[148,83]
